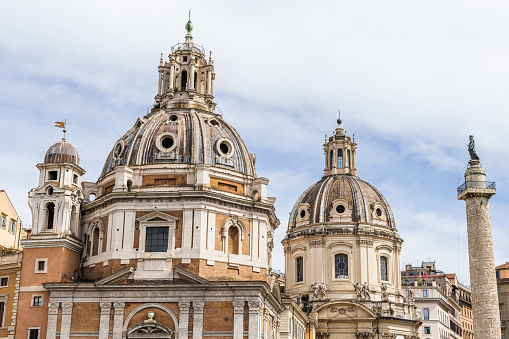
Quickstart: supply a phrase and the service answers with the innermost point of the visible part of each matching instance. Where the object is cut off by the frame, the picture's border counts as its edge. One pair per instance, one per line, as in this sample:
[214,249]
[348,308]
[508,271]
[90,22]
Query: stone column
[104,320]
[51,332]
[118,319]
[172,77]
[480,251]
[254,319]
[65,329]
[238,319]
[209,82]
[183,319]
[198,319]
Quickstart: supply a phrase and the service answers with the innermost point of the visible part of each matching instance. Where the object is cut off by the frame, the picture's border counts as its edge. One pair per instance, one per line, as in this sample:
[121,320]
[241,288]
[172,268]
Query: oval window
[167,142]
[50,191]
[224,147]
[303,214]
[340,209]
[118,149]
[173,118]
[379,212]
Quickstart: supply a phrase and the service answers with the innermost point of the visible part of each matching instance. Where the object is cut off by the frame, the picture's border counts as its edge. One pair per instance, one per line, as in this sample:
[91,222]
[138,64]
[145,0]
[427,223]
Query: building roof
[503,266]
[62,152]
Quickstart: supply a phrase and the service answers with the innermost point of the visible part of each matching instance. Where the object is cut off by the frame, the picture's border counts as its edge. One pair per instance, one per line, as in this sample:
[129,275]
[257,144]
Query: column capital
[238,306]
[254,306]
[184,306]
[67,307]
[119,307]
[197,306]
[53,307]
[105,307]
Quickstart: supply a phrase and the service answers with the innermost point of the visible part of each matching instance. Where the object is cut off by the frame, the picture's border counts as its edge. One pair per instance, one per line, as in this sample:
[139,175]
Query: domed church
[342,249]
[174,239]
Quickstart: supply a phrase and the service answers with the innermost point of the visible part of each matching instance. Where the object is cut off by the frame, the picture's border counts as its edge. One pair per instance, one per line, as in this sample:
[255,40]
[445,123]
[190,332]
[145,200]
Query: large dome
[62,151]
[341,198]
[181,137]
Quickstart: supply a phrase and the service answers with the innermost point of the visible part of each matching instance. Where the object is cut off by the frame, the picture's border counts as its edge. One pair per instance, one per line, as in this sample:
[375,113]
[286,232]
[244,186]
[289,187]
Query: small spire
[189,28]
[339,121]
[161,61]
[325,137]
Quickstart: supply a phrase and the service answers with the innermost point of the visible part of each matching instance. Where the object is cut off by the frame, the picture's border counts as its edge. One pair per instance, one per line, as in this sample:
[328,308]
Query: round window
[303,214]
[118,150]
[341,265]
[340,209]
[224,147]
[50,191]
[167,142]
[173,118]
[379,212]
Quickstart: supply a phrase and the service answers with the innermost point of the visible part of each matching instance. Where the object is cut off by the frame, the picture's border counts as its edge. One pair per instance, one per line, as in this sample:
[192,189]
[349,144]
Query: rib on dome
[60,152]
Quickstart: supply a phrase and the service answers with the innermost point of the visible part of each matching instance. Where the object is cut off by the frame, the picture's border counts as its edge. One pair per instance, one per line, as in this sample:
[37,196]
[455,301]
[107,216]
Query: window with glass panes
[3,221]
[383,269]
[299,269]
[33,333]
[12,226]
[156,239]
[426,313]
[341,266]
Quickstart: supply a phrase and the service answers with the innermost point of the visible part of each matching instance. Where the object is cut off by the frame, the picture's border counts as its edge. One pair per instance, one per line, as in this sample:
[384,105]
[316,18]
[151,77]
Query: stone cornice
[55,241]
[325,230]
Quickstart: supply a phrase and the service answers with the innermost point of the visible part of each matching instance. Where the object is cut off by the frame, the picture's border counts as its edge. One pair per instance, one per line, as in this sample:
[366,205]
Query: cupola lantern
[339,150]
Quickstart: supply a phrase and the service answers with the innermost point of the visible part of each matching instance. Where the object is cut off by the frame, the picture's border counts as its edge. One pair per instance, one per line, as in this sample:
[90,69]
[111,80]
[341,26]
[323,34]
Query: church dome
[62,151]
[181,137]
[341,198]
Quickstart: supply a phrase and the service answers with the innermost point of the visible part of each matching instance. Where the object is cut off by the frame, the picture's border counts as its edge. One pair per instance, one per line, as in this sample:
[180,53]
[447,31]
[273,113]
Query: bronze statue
[471,149]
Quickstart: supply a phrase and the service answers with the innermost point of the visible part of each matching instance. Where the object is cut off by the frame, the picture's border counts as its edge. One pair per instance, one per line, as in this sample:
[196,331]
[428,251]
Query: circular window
[341,265]
[167,142]
[303,214]
[340,209]
[50,191]
[173,118]
[224,147]
[379,212]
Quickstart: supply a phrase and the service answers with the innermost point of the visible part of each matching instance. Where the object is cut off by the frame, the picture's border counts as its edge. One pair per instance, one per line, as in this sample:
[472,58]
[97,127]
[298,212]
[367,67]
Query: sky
[412,79]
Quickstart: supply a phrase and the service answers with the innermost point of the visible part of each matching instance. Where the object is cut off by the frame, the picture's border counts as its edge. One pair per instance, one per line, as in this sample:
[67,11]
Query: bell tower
[339,152]
[52,252]
[186,79]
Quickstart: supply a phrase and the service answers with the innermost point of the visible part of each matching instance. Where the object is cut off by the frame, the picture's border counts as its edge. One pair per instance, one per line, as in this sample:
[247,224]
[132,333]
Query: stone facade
[476,193]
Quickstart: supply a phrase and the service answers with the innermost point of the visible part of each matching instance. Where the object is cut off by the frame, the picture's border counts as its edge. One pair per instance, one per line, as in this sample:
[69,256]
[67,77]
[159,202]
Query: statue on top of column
[471,149]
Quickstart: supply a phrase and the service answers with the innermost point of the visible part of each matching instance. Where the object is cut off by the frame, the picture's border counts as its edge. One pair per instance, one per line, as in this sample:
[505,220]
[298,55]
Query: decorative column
[65,328]
[183,319]
[104,320]
[172,76]
[254,319]
[238,319]
[118,319]
[476,192]
[209,82]
[197,319]
[51,332]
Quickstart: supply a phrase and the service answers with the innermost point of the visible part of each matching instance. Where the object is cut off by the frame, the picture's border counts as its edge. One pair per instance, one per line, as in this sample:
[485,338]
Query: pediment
[344,310]
[44,189]
[157,217]
[118,276]
[188,276]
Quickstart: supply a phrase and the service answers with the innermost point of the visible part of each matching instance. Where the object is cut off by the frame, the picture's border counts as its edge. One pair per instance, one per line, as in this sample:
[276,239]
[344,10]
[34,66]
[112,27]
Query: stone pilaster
[254,319]
[183,319]
[238,319]
[51,331]
[483,281]
[104,320]
[198,319]
[65,329]
[118,319]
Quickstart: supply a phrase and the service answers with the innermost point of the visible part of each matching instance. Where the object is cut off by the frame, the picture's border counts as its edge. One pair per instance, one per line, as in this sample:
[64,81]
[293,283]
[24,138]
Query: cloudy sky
[412,79]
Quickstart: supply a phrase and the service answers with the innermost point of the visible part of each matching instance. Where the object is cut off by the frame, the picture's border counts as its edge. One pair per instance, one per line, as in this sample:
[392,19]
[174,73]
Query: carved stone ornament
[365,335]
[119,307]
[254,306]
[322,335]
[410,336]
[184,306]
[389,335]
[53,307]
[385,295]
[365,243]
[67,307]
[238,306]
[317,243]
[198,306]
[105,308]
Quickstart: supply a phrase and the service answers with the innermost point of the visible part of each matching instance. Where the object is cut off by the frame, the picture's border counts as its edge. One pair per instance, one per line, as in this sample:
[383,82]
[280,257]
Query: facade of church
[175,238]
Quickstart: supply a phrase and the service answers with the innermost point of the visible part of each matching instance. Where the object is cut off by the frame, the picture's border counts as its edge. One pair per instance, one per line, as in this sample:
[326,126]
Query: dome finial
[189,28]
[339,119]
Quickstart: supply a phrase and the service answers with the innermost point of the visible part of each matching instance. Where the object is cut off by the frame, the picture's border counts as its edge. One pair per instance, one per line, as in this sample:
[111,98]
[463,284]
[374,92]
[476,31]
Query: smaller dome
[62,151]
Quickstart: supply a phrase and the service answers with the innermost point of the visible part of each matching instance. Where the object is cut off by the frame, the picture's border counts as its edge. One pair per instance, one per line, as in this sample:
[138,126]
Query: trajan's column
[476,192]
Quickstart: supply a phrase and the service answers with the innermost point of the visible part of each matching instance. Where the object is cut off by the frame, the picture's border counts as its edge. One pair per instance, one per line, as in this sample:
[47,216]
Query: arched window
[50,211]
[299,269]
[331,159]
[195,80]
[348,159]
[95,239]
[341,266]
[183,81]
[129,185]
[340,158]
[233,240]
[384,265]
